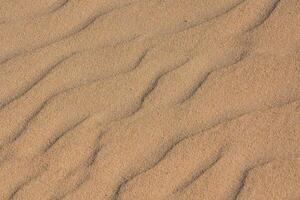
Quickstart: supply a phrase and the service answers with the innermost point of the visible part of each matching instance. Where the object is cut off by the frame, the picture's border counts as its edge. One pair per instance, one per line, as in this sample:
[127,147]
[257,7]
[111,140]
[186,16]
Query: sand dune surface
[150,99]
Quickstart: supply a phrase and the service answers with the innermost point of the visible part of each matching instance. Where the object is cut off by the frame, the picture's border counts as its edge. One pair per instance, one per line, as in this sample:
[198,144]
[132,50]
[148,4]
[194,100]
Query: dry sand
[150,99]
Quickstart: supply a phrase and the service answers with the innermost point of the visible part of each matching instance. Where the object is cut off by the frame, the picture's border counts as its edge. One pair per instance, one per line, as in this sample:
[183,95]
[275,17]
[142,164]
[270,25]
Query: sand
[150,99]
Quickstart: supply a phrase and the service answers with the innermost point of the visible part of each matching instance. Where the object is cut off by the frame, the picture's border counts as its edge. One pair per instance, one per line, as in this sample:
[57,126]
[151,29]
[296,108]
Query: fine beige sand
[150,99]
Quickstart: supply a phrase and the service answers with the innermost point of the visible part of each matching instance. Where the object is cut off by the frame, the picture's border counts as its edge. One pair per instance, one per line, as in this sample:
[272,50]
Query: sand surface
[150,99]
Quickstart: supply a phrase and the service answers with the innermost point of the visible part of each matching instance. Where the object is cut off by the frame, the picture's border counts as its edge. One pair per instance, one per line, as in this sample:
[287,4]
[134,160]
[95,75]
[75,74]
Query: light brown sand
[150,99]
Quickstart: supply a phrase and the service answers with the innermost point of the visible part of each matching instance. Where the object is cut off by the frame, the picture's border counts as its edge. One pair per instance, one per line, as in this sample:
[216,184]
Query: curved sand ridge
[158,99]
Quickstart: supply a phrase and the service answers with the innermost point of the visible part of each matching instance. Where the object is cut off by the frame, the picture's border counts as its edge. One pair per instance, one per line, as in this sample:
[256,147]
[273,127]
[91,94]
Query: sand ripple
[158,99]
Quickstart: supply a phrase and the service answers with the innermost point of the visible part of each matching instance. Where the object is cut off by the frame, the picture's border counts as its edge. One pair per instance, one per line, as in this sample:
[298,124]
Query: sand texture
[150,99]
